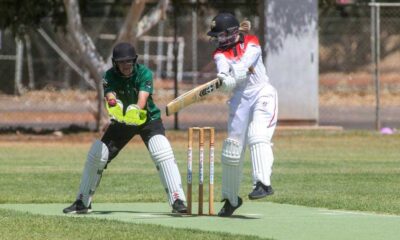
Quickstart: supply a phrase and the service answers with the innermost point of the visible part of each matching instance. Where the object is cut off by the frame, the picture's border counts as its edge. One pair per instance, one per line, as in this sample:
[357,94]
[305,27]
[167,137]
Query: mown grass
[340,170]
[16,225]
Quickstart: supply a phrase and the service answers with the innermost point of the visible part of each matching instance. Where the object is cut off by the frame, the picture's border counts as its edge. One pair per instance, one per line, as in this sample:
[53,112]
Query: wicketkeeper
[253,109]
[128,89]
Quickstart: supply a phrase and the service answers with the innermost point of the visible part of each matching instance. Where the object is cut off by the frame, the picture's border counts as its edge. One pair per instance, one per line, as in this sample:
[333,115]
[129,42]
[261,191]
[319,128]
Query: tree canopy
[17,15]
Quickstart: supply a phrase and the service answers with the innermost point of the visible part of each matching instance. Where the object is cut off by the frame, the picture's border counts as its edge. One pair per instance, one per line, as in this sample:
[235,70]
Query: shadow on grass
[155,214]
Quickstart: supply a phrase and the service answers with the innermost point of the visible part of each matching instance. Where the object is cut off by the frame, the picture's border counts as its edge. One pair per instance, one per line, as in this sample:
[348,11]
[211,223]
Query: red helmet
[224,30]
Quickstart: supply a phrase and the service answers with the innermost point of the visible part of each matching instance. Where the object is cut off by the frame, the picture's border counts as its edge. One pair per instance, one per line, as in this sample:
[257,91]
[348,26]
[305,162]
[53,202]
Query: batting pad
[163,157]
[96,160]
[231,170]
[262,157]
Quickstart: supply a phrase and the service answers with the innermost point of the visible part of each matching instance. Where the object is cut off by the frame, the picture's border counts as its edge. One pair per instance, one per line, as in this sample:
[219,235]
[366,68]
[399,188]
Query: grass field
[356,171]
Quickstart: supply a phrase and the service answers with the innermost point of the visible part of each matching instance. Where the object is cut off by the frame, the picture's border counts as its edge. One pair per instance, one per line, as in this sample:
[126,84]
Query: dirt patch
[74,110]
[361,99]
[55,137]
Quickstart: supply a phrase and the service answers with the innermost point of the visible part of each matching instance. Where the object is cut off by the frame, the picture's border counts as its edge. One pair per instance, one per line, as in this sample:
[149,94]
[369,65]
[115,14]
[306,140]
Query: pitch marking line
[342,213]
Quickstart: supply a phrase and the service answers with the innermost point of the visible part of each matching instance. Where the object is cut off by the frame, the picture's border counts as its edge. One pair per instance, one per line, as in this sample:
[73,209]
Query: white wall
[291,45]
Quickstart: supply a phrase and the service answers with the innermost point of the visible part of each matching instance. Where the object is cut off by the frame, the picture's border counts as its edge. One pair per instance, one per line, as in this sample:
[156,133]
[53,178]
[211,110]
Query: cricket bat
[195,95]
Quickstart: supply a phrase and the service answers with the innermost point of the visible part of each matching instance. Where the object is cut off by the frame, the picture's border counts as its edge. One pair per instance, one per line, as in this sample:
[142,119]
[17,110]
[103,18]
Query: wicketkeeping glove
[135,116]
[116,112]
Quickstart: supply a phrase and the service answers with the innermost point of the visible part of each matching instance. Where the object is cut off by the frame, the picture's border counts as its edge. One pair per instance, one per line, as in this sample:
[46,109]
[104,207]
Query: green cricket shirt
[127,89]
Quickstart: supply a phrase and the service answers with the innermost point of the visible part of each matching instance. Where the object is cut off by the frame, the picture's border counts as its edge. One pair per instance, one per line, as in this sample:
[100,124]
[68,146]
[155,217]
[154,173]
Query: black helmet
[223,22]
[224,30]
[124,51]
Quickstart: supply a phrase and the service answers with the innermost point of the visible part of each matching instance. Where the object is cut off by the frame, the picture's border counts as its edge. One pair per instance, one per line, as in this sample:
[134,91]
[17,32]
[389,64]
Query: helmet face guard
[226,39]
[124,53]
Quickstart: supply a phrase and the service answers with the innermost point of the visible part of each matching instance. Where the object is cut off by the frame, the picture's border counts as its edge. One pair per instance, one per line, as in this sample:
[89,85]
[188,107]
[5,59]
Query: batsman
[128,88]
[252,109]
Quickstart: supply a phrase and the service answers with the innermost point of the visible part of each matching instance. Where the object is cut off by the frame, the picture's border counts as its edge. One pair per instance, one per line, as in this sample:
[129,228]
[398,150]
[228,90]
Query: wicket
[201,131]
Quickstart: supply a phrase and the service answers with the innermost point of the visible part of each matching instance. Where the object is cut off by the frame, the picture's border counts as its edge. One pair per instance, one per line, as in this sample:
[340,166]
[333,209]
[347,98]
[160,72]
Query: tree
[131,29]
[21,14]
[18,15]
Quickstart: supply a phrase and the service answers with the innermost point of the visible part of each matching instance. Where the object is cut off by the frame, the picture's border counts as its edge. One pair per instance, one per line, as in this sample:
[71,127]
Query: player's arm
[142,99]
[223,68]
[113,105]
[249,59]
[111,99]
[222,63]
[251,56]
[109,92]
[230,74]
[145,89]
[136,114]
[247,62]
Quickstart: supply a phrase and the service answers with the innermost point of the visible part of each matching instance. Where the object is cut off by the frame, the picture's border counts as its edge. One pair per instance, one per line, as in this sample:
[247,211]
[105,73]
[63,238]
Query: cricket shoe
[179,207]
[78,207]
[227,210]
[260,191]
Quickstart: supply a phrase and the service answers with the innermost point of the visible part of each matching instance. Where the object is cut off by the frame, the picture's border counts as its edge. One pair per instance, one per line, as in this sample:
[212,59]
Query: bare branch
[83,41]
[133,28]
[92,59]
[128,30]
[154,16]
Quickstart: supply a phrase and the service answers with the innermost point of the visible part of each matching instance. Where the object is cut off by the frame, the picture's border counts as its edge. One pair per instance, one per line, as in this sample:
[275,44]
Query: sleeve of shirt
[221,63]
[107,84]
[146,83]
[251,55]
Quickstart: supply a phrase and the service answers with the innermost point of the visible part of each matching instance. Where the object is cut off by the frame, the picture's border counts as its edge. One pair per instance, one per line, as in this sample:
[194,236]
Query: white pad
[163,157]
[96,160]
[231,170]
[262,158]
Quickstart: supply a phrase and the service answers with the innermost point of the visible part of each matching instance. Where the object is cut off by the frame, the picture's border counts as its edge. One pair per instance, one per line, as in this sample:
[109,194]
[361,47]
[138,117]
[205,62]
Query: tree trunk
[31,71]
[152,18]
[129,32]
[92,59]
[133,28]
[19,87]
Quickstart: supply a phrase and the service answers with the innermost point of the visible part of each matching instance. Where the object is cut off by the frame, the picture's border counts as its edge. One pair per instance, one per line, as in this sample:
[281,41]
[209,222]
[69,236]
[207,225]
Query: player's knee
[258,133]
[113,150]
[98,153]
[160,149]
[231,152]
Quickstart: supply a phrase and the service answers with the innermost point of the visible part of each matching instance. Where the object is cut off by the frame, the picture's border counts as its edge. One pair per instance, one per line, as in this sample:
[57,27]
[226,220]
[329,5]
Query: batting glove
[228,82]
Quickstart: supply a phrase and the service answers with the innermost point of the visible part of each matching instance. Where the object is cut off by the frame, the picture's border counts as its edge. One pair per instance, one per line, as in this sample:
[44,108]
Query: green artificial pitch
[266,220]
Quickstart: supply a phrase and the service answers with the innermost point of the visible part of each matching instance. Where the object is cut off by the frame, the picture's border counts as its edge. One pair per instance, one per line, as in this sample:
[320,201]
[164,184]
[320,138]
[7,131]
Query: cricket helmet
[224,30]
[124,52]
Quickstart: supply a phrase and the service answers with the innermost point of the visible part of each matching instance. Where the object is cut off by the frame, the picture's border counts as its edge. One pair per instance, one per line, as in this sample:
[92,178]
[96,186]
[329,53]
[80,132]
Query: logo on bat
[209,89]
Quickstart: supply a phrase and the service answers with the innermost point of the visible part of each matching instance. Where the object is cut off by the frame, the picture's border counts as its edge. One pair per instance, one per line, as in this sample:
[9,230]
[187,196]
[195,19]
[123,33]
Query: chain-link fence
[348,90]
[55,92]
[58,94]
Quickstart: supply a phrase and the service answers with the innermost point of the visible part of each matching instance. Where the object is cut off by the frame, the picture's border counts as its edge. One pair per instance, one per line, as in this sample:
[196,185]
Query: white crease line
[338,212]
